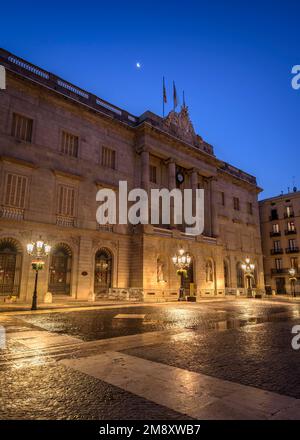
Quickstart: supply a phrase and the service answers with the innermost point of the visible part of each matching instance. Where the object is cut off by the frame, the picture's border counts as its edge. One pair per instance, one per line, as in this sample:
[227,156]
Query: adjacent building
[280,231]
[59,144]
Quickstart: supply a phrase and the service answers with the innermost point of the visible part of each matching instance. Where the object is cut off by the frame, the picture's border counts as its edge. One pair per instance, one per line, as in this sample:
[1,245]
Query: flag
[175,101]
[164,91]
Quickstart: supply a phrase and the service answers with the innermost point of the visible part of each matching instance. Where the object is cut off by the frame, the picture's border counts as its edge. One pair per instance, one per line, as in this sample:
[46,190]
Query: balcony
[276,251]
[288,215]
[279,271]
[290,231]
[11,213]
[67,222]
[273,217]
[292,250]
[275,234]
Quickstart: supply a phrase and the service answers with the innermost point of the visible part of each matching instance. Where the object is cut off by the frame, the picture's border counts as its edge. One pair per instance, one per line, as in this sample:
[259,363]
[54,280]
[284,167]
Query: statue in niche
[160,271]
[209,271]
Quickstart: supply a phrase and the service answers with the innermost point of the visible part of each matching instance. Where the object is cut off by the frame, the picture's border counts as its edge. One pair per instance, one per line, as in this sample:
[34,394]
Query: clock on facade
[179,177]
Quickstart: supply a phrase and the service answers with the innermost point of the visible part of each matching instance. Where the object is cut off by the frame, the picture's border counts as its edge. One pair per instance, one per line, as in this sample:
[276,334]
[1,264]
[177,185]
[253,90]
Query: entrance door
[103,272]
[280,286]
[60,271]
[188,280]
[7,270]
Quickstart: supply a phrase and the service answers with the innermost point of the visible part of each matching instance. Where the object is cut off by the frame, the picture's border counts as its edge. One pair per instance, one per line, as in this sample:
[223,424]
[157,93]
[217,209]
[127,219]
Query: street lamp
[181,261]
[248,269]
[292,273]
[38,250]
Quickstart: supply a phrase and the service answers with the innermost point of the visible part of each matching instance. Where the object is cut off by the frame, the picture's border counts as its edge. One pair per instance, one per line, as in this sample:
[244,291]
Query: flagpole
[163,96]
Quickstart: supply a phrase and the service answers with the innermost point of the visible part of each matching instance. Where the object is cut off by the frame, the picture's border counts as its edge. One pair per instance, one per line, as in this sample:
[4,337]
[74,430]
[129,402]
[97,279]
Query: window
[277,245]
[275,228]
[292,243]
[289,212]
[69,144]
[274,214]
[15,190]
[152,174]
[222,198]
[21,128]
[250,208]
[291,226]
[278,263]
[294,262]
[108,158]
[236,203]
[66,201]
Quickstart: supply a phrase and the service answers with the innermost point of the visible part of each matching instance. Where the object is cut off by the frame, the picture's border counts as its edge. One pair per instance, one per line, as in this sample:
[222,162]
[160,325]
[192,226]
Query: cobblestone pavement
[244,341]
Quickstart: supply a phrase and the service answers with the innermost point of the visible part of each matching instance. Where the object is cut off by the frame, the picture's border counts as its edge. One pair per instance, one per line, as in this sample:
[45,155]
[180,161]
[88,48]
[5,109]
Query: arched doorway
[60,270]
[240,282]
[103,271]
[10,267]
[188,280]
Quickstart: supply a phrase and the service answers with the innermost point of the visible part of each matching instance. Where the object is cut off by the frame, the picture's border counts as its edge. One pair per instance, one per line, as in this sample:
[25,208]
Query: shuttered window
[108,158]
[66,201]
[69,144]
[15,190]
[21,127]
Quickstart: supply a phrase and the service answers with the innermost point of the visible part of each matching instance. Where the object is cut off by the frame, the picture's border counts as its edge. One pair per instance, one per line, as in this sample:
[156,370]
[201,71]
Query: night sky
[232,58]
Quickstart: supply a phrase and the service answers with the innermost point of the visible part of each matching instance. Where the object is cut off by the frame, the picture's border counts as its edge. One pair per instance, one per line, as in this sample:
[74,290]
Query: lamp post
[182,261]
[248,269]
[292,273]
[38,250]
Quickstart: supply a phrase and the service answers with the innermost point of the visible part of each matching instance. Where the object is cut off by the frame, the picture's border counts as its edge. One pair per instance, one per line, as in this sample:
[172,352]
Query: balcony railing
[292,250]
[68,222]
[11,213]
[9,289]
[288,214]
[273,217]
[275,234]
[279,271]
[276,251]
[290,231]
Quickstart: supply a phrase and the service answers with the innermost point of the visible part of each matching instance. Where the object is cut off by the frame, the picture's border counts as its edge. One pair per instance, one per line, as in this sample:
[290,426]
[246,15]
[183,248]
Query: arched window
[239,275]
[209,271]
[103,271]
[226,273]
[60,270]
[10,267]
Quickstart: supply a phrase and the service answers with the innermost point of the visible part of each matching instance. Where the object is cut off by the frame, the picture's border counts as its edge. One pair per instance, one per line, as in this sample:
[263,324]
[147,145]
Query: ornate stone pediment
[180,125]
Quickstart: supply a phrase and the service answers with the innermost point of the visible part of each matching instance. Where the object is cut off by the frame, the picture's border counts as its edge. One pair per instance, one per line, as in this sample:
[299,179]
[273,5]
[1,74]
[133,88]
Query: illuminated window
[66,201]
[15,190]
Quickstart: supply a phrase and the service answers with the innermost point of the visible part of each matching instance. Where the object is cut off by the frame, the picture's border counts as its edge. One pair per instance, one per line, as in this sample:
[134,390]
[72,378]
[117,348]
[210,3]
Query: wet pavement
[244,341]
[101,324]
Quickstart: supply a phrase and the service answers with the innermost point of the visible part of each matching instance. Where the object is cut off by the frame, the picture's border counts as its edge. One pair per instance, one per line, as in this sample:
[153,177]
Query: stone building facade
[59,144]
[280,231]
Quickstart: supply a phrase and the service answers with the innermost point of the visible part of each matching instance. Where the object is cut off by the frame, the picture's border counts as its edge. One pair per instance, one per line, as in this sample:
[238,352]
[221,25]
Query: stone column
[85,269]
[145,169]
[172,184]
[213,206]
